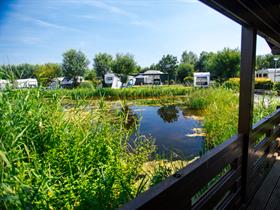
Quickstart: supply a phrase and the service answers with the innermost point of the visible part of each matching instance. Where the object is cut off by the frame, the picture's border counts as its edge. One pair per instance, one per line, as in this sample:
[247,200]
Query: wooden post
[246,99]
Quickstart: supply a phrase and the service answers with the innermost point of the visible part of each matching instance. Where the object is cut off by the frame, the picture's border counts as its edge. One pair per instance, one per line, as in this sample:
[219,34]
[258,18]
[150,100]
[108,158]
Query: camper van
[111,80]
[201,79]
[26,83]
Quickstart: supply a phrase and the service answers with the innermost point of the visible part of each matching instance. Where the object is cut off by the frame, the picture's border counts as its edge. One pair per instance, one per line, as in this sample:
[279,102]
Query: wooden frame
[241,163]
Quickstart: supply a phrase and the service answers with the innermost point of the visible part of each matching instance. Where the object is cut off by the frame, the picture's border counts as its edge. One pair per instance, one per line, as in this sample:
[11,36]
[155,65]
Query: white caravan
[201,79]
[26,83]
[112,80]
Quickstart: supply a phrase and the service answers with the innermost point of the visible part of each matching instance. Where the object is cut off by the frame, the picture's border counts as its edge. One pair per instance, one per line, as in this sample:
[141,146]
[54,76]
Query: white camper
[4,83]
[201,79]
[112,80]
[26,83]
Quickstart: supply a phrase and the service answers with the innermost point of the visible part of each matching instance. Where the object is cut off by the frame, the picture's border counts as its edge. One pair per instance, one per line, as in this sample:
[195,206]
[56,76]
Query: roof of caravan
[201,74]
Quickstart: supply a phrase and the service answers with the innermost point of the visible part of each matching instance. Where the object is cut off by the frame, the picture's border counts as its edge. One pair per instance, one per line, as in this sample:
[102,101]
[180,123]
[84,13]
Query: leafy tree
[189,57]
[154,67]
[102,63]
[267,61]
[204,62]
[74,64]
[20,71]
[168,64]
[123,65]
[184,70]
[226,64]
[222,65]
[45,73]
[90,74]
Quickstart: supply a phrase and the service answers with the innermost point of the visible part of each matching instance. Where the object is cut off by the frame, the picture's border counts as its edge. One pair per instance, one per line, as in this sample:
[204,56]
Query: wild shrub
[57,158]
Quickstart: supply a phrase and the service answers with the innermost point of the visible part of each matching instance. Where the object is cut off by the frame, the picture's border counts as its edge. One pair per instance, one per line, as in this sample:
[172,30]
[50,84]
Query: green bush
[263,83]
[276,86]
[232,83]
[87,84]
[172,82]
[188,81]
[260,83]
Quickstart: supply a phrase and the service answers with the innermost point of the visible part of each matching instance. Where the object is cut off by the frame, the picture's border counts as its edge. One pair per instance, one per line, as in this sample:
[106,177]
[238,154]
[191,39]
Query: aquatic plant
[123,93]
[57,158]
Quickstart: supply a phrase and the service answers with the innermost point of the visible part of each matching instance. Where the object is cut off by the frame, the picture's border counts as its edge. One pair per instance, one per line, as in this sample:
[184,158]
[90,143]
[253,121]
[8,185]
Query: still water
[172,128]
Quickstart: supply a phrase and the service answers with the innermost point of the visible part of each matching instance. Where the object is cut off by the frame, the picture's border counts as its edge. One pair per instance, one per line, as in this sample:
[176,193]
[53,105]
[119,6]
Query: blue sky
[39,31]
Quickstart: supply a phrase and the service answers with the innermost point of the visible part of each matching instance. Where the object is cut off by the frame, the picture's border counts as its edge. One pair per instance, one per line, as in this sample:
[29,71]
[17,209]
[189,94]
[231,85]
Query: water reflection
[173,132]
[169,114]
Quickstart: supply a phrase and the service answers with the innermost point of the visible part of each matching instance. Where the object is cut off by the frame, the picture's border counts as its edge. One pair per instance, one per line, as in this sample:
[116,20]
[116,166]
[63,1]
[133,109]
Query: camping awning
[263,15]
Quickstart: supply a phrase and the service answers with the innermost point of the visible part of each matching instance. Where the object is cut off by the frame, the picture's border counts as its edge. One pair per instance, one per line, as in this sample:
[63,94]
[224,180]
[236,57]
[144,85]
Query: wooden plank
[260,174]
[268,145]
[217,192]
[274,200]
[179,189]
[232,202]
[246,98]
[263,194]
[265,124]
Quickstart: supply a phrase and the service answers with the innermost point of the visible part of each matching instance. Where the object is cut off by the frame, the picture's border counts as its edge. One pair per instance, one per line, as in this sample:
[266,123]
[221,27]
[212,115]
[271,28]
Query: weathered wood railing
[214,180]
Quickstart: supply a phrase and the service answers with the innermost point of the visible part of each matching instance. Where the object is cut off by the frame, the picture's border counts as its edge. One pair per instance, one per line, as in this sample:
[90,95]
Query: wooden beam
[246,99]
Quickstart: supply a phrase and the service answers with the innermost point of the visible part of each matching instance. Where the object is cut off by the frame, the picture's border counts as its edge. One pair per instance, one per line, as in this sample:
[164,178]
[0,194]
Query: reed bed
[52,158]
[123,93]
[219,107]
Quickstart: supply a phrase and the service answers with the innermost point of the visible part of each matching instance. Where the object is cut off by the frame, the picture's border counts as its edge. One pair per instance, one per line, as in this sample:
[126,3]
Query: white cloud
[44,23]
[30,40]
[105,6]
[188,1]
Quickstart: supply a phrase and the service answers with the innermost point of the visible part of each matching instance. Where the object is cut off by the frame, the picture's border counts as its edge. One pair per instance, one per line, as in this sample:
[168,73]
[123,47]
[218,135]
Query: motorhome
[201,79]
[26,83]
[112,80]
[151,77]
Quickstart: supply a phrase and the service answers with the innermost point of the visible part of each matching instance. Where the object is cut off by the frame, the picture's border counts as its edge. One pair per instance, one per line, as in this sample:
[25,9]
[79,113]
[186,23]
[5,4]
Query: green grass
[57,158]
[123,93]
[51,158]
[219,106]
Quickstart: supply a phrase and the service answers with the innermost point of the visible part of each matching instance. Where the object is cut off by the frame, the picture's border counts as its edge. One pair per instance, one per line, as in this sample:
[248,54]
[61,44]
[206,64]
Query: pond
[175,130]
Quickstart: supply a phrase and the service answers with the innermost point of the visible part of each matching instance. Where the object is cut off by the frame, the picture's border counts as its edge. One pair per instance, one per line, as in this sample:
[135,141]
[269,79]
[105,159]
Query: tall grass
[219,107]
[123,93]
[52,158]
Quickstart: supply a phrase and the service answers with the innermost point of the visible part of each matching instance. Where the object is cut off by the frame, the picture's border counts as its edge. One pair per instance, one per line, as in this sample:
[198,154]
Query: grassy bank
[56,159]
[219,107]
[123,93]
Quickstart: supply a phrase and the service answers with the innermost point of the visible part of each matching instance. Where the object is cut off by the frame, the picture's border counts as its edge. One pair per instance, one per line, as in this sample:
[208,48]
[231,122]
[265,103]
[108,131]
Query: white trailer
[112,80]
[26,83]
[201,79]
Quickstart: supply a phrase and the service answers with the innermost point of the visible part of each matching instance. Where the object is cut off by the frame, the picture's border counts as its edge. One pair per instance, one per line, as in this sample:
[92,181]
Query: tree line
[222,65]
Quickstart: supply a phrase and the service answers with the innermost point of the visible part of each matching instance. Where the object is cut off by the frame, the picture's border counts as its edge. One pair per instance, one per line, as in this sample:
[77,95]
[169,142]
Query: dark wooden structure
[228,176]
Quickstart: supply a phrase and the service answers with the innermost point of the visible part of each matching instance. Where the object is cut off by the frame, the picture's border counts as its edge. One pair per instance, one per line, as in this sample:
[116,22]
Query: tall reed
[53,158]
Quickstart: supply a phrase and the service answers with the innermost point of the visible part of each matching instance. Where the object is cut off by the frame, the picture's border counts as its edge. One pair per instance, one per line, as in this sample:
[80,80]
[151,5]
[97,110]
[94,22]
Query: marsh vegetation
[64,158]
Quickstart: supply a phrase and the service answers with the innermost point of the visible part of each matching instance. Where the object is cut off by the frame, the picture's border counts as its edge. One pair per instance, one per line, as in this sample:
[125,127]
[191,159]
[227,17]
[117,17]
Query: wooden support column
[246,99]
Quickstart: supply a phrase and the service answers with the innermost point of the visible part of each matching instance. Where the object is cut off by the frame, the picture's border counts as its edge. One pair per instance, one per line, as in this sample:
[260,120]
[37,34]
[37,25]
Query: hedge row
[260,83]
